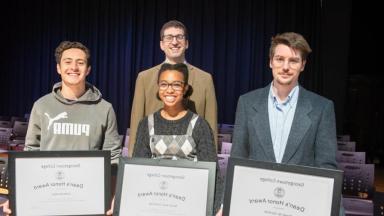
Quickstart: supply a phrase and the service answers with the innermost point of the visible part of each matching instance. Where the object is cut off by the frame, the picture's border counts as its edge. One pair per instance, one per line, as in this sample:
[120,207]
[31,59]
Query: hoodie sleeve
[33,137]
[111,138]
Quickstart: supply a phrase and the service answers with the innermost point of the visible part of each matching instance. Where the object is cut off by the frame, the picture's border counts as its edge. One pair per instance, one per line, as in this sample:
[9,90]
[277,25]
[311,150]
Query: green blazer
[202,101]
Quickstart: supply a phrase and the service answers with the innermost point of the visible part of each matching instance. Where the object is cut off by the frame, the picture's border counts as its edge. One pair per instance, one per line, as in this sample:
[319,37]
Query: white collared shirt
[281,115]
[167,61]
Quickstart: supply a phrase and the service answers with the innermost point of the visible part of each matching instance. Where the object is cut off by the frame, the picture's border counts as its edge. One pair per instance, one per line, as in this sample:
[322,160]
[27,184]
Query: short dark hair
[180,67]
[64,45]
[175,24]
[292,40]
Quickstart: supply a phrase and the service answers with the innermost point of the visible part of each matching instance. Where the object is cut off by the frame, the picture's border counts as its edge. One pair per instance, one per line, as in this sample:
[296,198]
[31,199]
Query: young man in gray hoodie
[73,116]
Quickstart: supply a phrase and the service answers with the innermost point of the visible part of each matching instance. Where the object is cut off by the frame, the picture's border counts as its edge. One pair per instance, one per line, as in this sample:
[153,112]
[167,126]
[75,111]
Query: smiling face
[174,49]
[286,65]
[172,88]
[73,67]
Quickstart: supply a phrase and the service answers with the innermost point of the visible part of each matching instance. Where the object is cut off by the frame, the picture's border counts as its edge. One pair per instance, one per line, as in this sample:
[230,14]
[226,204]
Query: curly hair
[69,45]
[180,67]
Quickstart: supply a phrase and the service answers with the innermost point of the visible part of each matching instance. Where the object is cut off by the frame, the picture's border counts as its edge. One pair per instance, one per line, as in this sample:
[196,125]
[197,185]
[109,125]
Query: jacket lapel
[300,125]
[261,121]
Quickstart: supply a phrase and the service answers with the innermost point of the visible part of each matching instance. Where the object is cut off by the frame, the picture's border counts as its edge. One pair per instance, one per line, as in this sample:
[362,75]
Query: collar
[291,99]
[167,61]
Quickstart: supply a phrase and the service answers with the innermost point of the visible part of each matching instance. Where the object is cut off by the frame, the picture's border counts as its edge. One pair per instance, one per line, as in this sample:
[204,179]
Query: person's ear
[162,46]
[303,65]
[186,88]
[58,69]
[88,70]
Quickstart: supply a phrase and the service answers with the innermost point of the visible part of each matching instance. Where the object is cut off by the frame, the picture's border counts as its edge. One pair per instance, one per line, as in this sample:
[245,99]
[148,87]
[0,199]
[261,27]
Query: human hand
[220,212]
[6,210]
[110,211]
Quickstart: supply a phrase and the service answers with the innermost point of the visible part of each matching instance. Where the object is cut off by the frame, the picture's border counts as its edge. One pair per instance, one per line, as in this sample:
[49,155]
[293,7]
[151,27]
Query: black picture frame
[233,163]
[154,163]
[46,155]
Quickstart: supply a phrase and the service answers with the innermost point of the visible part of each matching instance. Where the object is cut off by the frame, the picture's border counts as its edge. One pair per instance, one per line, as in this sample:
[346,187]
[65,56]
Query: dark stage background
[228,38]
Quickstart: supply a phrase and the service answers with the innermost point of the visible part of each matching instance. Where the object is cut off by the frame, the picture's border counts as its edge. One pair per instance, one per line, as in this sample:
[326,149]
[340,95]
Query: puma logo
[62,115]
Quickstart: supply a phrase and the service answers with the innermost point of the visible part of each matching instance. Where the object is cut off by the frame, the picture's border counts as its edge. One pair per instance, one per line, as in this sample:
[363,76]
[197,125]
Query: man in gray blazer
[284,122]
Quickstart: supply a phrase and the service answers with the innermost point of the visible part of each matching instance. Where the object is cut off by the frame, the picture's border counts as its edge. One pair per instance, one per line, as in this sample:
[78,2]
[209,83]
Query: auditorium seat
[358,180]
[17,118]
[343,137]
[3,175]
[223,138]
[226,147]
[358,207]
[5,124]
[226,128]
[346,146]
[378,201]
[5,135]
[19,129]
[350,157]
[223,163]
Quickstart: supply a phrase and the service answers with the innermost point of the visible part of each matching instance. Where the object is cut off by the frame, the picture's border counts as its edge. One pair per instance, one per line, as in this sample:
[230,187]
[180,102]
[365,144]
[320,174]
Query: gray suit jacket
[312,139]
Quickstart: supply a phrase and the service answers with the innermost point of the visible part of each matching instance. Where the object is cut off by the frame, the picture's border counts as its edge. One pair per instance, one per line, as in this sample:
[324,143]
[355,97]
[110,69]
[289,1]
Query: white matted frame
[59,182]
[264,188]
[153,187]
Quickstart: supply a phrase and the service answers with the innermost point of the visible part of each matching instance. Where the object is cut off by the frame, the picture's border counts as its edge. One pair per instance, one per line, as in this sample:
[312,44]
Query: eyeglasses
[169,38]
[176,85]
[293,63]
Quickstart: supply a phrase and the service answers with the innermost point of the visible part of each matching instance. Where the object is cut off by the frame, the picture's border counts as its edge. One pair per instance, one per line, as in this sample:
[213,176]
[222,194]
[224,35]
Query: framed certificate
[59,182]
[262,188]
[158,187]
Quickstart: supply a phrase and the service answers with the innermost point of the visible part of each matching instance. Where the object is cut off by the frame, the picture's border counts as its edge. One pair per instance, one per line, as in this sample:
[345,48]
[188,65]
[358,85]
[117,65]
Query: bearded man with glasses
[202,101]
